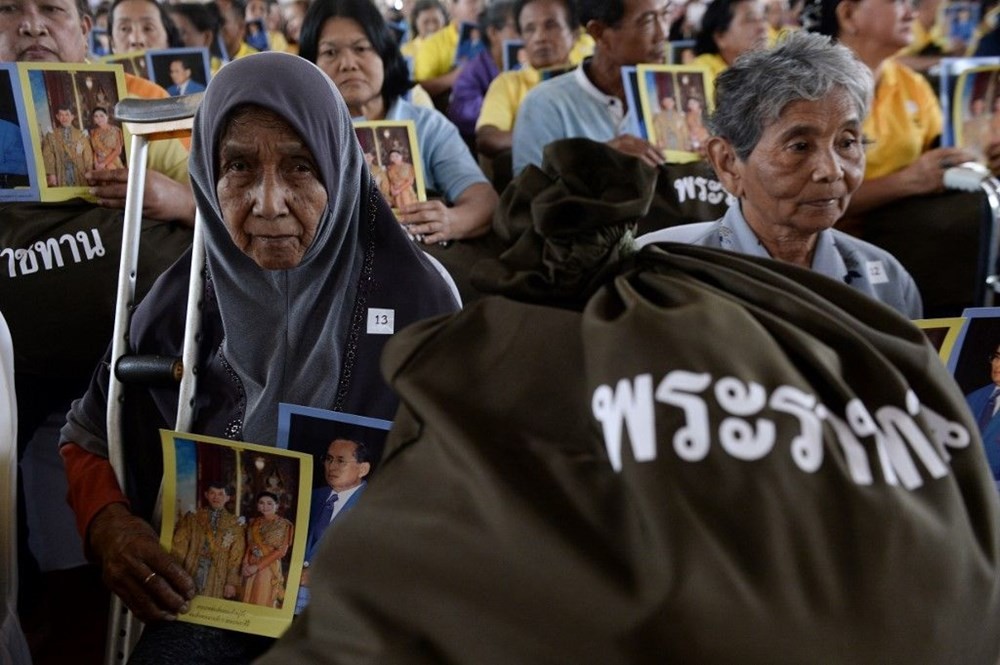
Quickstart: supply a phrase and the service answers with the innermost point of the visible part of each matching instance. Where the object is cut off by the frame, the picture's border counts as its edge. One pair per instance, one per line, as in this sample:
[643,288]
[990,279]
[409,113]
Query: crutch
[973,177]
[147,120]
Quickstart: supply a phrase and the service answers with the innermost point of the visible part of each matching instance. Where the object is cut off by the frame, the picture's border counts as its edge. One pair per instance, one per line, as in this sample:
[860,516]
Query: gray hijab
[285,330]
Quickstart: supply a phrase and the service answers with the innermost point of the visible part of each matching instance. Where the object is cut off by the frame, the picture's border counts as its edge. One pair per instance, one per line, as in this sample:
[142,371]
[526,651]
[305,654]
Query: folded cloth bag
[683,455]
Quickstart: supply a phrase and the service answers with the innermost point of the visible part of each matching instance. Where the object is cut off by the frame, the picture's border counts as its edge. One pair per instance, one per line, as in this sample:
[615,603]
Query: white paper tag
[381,321]
[876,272]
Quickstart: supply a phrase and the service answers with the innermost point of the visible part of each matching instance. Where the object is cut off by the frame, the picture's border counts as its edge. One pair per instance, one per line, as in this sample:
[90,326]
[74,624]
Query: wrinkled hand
[428,221]
[129,554]
[637,147]
[162,198]
[927,173]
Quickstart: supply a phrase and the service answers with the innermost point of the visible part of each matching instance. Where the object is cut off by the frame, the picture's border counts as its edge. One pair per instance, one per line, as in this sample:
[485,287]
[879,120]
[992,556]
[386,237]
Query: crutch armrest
[140,110]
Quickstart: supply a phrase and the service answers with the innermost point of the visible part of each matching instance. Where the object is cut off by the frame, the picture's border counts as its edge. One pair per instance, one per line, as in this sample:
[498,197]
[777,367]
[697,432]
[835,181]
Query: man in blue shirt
[590,101]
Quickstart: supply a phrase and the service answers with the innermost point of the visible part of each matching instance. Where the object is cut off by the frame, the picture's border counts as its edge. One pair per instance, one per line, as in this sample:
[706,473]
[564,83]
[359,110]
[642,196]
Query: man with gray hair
[787,144]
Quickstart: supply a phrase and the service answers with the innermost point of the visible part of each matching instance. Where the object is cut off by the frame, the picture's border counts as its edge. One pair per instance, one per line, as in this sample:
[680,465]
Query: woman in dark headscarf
[300,248]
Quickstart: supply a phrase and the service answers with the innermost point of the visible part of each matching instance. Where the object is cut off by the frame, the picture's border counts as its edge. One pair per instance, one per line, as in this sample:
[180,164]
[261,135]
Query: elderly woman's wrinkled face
[269,188]
[803,171]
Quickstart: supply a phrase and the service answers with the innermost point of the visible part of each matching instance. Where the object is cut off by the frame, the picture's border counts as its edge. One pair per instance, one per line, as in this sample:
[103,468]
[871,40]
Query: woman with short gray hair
[787,144]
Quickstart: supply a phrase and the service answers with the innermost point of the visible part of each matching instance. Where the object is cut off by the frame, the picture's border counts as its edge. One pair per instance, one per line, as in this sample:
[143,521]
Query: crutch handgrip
[160,371]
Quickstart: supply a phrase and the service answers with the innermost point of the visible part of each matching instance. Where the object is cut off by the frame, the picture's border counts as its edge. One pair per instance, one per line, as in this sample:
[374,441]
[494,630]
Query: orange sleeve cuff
[92,485]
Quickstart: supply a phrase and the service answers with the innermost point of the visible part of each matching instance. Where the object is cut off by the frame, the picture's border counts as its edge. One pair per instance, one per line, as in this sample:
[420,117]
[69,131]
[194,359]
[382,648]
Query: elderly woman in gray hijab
[787,144]
[301,249]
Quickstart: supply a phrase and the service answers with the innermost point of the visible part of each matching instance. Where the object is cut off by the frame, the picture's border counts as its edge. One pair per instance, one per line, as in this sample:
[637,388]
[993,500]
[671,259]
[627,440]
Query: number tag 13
[381,321]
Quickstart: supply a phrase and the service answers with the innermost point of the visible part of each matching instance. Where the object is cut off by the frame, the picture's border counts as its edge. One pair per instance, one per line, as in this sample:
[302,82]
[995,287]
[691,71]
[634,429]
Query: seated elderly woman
[300,247]
[350,41]
[787,143]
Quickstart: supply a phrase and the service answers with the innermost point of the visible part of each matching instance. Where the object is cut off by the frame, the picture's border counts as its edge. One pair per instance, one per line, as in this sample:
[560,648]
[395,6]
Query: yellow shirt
[583,47]
[504,97]
[903,122]
[169,156]
[436,55]
[409,49]
[245,49]
[712,63]
[277,41]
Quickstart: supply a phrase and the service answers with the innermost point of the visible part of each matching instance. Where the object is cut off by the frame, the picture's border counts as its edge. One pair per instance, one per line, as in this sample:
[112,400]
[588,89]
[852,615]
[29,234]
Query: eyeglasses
[338,461]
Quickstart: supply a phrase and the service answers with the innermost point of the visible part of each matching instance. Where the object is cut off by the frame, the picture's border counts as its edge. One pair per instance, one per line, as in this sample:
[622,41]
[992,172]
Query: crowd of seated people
[489,112]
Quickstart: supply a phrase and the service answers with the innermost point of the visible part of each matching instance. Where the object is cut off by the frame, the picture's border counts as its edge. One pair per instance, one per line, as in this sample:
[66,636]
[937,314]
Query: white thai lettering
[748,428]
[679,389]
[634,409]
[807,447]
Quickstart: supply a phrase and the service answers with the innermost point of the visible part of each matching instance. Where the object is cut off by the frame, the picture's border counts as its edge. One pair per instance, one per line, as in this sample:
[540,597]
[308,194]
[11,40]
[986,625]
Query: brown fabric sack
[693,457]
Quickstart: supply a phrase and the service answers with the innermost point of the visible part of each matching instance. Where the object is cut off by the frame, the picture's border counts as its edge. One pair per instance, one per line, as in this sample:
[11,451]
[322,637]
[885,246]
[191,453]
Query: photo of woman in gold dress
[107,142]
[269,537]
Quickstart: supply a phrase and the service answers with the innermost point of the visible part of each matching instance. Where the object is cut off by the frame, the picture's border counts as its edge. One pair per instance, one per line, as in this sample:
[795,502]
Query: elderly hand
[637,147]
[134,565]
[163,198]
[926,174]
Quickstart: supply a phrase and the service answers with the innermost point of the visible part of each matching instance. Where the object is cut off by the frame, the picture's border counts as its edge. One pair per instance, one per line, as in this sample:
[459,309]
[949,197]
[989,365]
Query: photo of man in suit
[183,84]
[984,403]
[345,466]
